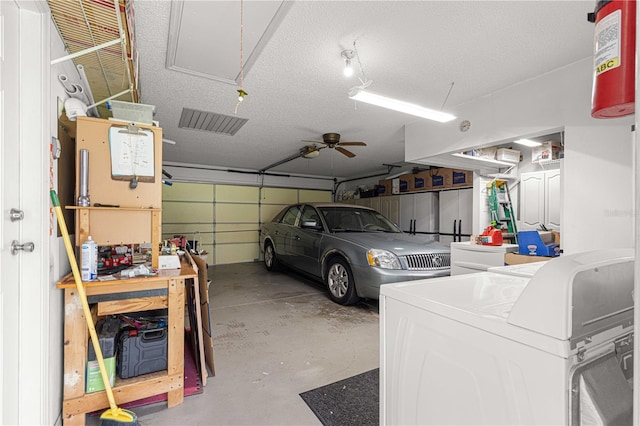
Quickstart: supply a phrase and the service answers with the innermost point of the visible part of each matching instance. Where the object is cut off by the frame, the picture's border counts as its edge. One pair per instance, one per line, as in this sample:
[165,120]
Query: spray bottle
[89,260]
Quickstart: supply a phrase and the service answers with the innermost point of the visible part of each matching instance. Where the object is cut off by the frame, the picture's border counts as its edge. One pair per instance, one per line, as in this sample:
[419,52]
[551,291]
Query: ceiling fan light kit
[400,106]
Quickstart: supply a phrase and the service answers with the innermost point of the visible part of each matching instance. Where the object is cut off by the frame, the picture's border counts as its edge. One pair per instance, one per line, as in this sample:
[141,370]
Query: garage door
[224,220]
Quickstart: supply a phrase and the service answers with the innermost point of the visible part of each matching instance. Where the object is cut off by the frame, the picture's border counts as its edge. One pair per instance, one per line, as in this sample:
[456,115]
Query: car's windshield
[341,219]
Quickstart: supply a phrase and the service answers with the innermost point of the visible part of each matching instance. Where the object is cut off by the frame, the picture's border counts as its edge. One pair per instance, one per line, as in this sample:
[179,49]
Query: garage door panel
[236,253]
[225,227]
[235,213]
[268,212]
[314,196]
[183,212]
[237,237]
[235,193]
[279,196]
[183,191]
[187,229]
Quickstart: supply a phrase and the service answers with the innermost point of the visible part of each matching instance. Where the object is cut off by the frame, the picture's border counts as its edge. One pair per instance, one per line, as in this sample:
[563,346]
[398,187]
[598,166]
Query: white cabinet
[456,215]
[419,213]
[540,200]
[371,202]
[390,208]
[467,258]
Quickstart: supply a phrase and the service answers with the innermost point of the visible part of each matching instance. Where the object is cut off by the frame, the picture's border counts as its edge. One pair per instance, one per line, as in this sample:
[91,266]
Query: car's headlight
[383,259]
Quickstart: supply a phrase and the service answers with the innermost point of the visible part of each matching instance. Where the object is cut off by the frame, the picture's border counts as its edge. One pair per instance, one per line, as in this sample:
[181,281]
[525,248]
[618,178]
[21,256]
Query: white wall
[597,168]
[597,187]
[59,262]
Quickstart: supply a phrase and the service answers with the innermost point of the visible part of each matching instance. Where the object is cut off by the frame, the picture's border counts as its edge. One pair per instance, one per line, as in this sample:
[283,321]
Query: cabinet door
[374,203]
[552,199]
[390,207]
[426,212]
[465,210]
[449,211]
[406,211]
[532,200]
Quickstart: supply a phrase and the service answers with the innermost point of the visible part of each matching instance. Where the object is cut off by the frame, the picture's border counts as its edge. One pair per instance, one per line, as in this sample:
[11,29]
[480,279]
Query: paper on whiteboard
[131,153]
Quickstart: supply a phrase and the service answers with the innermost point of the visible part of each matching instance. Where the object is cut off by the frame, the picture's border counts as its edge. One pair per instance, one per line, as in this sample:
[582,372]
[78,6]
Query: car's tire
[270,259]
[340,283]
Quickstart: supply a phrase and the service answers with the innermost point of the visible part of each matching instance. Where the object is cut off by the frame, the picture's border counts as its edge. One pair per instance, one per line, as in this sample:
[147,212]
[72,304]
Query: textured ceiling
[411,50]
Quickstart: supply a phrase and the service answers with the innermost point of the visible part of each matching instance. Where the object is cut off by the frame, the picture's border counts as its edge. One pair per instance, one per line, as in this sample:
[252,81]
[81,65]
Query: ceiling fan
[332,140]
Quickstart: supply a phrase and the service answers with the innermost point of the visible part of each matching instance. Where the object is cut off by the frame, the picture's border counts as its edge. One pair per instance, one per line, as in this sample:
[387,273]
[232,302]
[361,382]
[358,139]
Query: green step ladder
[501,209]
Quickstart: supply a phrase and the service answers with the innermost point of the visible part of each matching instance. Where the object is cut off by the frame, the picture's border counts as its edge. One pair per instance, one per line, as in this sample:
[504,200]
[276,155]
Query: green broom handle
[83,299]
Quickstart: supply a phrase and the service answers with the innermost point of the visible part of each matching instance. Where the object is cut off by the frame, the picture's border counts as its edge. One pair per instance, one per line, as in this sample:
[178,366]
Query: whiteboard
[132,154]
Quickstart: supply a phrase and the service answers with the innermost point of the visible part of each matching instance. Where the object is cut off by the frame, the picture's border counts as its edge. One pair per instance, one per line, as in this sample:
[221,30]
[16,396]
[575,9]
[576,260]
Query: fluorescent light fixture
[396,105]
[527,142]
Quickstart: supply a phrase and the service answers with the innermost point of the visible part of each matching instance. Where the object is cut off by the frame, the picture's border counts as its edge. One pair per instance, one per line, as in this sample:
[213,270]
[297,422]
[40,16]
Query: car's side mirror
[311,224]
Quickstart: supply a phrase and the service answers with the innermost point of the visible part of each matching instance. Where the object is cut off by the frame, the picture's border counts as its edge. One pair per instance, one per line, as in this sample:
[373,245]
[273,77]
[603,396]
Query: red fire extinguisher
[614,58]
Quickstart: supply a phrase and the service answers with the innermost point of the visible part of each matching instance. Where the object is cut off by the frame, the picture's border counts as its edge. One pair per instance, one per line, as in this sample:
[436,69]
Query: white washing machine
[522,270]
[489,349]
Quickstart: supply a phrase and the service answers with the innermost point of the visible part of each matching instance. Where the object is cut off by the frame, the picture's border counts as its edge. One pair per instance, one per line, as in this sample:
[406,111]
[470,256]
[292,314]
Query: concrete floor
[276,334]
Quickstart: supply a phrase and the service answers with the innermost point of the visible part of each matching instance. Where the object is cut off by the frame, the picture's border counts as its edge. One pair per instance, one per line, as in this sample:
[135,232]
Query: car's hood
[399,243]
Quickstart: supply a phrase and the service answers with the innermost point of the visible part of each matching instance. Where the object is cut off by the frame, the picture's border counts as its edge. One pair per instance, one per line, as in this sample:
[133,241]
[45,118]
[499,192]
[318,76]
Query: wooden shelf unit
[138,219]
[110,226]
[76,403]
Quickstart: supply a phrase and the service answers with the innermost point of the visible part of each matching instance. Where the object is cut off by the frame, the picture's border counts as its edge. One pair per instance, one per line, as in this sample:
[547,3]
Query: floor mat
[352,401]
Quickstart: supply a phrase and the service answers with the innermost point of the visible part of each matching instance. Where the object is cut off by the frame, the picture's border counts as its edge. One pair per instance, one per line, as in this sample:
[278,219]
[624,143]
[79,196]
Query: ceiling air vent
[210,122]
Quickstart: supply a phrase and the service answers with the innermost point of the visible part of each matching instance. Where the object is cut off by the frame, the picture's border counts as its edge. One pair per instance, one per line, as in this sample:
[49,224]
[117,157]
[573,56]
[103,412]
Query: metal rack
[99,39]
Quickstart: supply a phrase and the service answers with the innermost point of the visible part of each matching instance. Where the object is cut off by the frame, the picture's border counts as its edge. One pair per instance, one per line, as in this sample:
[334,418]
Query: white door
[532,200]
[9,153]
[24,276]
[552,199]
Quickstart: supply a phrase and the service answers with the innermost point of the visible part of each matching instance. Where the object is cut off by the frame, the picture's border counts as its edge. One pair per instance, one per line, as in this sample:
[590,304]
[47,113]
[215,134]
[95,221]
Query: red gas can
[491,237]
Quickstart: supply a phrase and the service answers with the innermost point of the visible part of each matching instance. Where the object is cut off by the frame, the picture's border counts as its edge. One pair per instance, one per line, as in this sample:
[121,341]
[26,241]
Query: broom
[114,415]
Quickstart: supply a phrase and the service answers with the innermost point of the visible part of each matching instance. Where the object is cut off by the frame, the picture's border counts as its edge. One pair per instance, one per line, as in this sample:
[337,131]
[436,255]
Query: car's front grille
[426,262]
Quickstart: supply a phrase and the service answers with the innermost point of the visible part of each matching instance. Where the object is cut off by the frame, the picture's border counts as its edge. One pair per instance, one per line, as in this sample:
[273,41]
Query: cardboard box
[461,178]
[420,181]
[441,178]
[548,151]
[384,187]
[404,183]
[517,259]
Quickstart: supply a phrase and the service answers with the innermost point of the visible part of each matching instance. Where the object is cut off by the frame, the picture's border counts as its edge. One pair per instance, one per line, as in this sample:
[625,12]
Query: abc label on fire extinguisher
[607,43]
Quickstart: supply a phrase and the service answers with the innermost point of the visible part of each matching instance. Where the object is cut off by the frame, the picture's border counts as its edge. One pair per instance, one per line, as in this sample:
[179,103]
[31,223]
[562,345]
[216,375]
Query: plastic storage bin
[509,155]
[142,352]
[132,112]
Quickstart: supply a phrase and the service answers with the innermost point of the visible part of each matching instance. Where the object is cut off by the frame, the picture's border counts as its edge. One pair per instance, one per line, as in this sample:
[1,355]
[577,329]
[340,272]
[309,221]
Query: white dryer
[489,349]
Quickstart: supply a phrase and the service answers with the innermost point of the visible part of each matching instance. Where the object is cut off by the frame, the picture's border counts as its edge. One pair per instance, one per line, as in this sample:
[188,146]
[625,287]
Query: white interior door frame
[34,285]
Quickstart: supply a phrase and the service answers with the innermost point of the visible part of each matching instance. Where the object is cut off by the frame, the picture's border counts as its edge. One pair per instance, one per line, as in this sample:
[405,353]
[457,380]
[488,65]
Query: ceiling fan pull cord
[241,92]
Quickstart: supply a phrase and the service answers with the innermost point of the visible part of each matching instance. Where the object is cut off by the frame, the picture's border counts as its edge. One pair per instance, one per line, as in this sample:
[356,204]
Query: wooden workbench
[166,290]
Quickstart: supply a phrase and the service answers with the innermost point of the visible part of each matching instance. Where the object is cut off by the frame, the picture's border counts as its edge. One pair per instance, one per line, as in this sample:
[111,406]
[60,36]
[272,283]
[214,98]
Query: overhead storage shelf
[85,24]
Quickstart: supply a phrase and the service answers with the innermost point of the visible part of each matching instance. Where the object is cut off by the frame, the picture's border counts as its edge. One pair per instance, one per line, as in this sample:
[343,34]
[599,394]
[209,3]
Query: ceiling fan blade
[353,143]
[345,152]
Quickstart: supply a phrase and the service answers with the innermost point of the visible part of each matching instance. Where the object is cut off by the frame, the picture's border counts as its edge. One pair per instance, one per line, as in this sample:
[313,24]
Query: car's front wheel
[270,260]
[339,281]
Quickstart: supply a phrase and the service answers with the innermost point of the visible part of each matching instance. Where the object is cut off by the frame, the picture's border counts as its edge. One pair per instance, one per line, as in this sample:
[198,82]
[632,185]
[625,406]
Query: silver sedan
[352,249]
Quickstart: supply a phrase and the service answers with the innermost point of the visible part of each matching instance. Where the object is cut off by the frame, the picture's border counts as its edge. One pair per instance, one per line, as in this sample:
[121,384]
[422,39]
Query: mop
[114,415]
